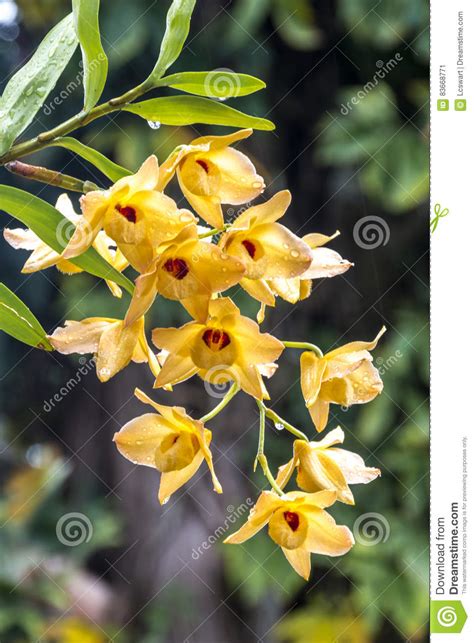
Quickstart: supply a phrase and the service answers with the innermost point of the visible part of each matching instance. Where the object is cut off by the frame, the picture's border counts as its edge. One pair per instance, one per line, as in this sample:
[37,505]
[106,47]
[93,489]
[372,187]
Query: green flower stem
[305,346]
[50,177]
[276,419]
[79,120]
[211,233]
[234,389]
[261,457]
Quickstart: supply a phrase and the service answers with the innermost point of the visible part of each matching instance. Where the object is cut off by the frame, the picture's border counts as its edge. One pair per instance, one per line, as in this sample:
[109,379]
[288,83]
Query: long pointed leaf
[218,83]
[54,229]
[94,59]
[17,320]
[27,90]
[187,110]
[178,22]
[112,170]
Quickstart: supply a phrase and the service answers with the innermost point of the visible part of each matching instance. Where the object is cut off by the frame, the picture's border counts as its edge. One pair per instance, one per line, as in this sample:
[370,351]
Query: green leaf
[218,83]
[95,63]
[27,90]
[55,230]
[111,170]
[186,110]
[178,21]
[17,320]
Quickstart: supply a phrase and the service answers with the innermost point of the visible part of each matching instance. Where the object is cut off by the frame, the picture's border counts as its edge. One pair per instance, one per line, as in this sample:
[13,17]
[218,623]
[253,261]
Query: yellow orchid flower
[227,346]
[325,263]
[319,467]
[74,630]
[210,173]
[132,213]
[298,523]
[170,441]
[113,344]
[42,256]
[266,248]
[189,270]
[344,376]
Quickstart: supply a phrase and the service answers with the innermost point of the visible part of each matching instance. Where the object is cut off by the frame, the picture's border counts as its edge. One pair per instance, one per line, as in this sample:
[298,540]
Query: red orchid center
[178,268]
[292,519]
[215,339]
[128,212]
[204,165]
[250,247]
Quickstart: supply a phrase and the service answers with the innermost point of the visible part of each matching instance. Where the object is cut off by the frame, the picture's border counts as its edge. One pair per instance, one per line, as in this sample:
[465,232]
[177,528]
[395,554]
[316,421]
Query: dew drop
[295,254]
[279,426]
[154,124]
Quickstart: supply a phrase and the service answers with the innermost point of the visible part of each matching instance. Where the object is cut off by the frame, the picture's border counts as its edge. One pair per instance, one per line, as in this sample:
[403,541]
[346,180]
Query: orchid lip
[128,212]
[215,339]
[204,165]
[178,268]
[292,520]
[250,247]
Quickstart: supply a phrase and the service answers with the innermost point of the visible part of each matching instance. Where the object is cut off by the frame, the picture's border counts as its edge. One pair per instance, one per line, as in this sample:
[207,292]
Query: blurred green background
[141,573]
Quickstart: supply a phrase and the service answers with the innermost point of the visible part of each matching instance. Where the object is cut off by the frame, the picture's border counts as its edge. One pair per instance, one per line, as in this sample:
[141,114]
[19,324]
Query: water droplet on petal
[154,124]
[295,254]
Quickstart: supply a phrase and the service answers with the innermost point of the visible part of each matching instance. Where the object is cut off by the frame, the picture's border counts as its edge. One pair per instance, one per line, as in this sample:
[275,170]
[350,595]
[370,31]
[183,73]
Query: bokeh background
[139,575]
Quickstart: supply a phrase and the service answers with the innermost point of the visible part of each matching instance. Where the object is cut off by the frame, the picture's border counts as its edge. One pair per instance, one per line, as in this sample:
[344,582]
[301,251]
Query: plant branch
[79,120]
[211,233]
[261,458]
[234,389]
[51,177]
[276,419]
[306,346]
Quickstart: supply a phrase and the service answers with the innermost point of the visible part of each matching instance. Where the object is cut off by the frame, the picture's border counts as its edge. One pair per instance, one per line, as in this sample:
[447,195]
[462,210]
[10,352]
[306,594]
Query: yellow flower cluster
[133,223]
